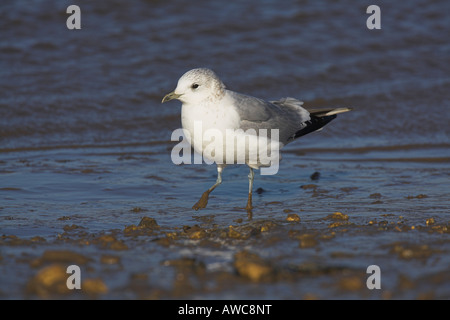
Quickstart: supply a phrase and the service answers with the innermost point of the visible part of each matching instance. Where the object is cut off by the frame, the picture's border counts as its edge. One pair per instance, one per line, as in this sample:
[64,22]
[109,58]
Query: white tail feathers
[328,112]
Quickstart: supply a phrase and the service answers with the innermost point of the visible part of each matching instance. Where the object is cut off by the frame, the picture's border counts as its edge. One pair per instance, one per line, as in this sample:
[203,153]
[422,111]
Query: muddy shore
[207,260]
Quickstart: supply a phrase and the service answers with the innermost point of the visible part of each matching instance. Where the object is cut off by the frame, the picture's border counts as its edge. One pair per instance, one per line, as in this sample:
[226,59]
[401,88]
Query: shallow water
[85,141]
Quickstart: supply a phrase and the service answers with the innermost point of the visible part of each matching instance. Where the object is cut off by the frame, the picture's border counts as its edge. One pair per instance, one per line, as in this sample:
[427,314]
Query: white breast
[213,132]
[204,124]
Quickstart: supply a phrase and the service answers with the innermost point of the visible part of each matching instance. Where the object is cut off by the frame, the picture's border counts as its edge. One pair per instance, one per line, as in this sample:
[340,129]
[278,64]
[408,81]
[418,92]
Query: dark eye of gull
[194,86]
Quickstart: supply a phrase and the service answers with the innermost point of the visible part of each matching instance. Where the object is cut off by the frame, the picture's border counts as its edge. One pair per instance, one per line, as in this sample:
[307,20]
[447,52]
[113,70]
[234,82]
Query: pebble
[293,217]
[49,281]
[252,266]
[94,287]
[60,256]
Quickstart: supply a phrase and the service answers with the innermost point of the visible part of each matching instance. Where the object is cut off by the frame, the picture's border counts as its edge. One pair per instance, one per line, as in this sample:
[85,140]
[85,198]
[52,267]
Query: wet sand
[309,240]
[209,261]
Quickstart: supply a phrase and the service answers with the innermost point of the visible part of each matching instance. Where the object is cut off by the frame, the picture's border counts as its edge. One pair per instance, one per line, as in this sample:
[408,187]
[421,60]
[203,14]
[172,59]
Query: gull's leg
[251,175]
[204,199]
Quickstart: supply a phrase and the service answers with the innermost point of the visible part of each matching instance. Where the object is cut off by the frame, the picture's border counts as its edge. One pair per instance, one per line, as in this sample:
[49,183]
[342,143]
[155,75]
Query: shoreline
[294,256]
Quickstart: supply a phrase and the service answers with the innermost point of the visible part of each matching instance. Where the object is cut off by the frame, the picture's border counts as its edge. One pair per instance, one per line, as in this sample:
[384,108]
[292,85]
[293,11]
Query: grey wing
[287,115]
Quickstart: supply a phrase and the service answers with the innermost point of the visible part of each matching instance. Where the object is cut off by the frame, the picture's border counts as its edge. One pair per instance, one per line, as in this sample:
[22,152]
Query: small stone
[199,234]
[94,287]
[337,216]
[194,232]
[50,280]
[172,235]
[293,217]
[252,266]
[60,256]
[38,239]
[315,176]
[232,233]
[351,283]
[260,190]
[148,223]
[129,230]
[71,227]
[337,224]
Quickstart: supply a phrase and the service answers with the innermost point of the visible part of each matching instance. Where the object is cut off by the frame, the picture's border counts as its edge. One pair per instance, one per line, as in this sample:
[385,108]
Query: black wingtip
[313,125]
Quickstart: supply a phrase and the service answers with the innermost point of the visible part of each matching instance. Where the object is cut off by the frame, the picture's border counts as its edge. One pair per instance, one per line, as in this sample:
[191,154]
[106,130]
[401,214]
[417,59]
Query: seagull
[207,106]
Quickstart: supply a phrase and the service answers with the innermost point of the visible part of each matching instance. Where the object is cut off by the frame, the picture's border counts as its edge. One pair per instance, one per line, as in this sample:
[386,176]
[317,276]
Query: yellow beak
[170,96]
